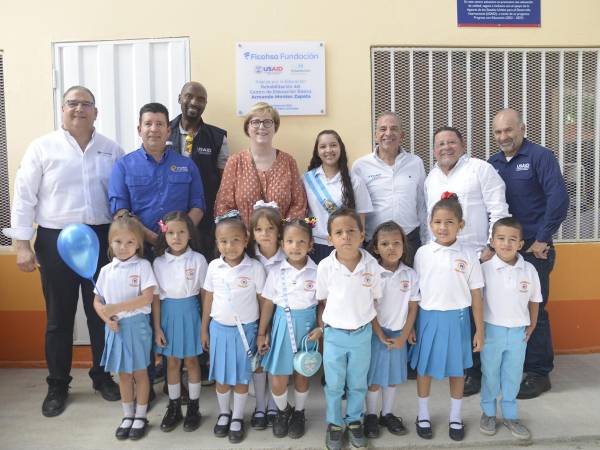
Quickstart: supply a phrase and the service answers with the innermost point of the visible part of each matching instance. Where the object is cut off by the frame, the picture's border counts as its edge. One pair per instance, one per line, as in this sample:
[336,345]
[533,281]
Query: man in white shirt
[394,179]
[481,195]
[62,180]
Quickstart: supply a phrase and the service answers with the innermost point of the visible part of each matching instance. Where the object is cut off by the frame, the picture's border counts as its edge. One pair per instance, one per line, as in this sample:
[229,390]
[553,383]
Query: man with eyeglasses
[62,180]
[394,178]
[207,146]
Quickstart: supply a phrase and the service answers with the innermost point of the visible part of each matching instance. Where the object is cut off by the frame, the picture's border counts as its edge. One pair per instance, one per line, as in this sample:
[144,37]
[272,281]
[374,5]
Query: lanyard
[288,314]
[238,322]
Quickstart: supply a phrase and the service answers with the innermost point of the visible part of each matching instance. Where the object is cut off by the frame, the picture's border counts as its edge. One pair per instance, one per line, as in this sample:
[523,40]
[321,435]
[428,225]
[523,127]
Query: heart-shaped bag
[307,362]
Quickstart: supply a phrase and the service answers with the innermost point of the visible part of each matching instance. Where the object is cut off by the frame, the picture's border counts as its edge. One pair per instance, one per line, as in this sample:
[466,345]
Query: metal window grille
[4,196]
[556,91]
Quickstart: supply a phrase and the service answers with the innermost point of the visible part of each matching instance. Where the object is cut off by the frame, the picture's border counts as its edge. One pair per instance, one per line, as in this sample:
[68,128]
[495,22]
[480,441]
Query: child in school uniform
[511,300]
[290,291]
[348,283]
[330,185]
[396,314]
[265,237]
[180,270]
[231,307]
[450,281]
[124,293]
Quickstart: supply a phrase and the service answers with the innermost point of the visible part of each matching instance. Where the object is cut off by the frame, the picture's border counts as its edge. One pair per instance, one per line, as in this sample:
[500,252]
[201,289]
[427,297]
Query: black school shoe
[533,385]
[122,433]
[281,422]
[173,415]
[297,425]
[258,421]
[235,437]
[393,424]
[109,390]
[138,433]
[424,432]
[192,416]
[371,426]
[472,386]
[222,430]
[56,400]
[456,434]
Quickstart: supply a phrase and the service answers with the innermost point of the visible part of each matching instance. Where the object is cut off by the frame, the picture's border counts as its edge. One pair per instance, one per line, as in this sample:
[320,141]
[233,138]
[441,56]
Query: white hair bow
[263,204]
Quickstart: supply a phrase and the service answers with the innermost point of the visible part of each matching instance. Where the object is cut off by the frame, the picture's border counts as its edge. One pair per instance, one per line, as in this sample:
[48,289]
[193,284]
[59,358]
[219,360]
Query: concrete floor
[567,417]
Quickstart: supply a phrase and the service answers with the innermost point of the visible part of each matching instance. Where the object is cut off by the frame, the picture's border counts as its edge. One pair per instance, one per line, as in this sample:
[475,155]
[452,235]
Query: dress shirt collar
[456,247]
[71,140]
[310,265]
[359,267]
[149,157]
[389,274]
[320,172]
[169,257]
[246,261]
[118,263]
[462,160]
[401,154]
[499,264]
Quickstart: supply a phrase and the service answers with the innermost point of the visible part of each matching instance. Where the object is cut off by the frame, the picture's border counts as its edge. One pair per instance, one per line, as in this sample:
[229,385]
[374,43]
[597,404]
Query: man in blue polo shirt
[154,180]
[537,197]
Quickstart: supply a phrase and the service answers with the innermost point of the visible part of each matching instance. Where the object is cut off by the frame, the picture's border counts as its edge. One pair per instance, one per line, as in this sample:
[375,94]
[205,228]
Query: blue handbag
[307,362]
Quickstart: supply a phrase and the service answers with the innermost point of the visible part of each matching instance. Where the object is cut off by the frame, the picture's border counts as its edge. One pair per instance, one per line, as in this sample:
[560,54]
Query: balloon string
[97,289]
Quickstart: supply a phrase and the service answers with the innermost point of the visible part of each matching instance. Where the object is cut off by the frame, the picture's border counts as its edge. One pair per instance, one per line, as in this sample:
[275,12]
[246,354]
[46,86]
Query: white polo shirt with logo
[300,284]
[399,288]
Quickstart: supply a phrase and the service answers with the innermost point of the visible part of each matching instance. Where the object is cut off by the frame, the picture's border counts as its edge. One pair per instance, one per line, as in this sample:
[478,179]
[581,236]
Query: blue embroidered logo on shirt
[175,168]
[523,166]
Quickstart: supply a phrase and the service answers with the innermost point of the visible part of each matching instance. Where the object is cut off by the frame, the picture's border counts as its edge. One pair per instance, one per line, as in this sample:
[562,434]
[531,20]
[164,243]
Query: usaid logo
[523,166]
[268,69]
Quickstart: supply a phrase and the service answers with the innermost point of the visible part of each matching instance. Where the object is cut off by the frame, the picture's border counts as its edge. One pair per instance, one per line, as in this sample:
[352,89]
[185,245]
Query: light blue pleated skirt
[279,360]
[388,367]
[229,363]
[128,349]
[182,326]
[443,347]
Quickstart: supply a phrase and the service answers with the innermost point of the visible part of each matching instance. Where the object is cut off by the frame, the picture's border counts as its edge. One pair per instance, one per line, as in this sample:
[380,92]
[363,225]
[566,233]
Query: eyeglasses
[75,103]
[266,123]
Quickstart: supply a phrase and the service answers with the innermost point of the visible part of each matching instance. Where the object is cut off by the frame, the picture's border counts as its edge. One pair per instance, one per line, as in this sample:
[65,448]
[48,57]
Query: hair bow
[263,204]
[231,214]
[311,221]
[163,226]
[446,195]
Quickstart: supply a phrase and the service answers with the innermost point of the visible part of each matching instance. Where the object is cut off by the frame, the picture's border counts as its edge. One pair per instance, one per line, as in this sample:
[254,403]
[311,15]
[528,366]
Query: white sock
[140,413]
[455,415]
[174,391]
[281,400]
[128,411]
[300,399]
[423,408]
[224,408]
[373,401]
[387,403]
[239,402]
[260,385]
[194,390]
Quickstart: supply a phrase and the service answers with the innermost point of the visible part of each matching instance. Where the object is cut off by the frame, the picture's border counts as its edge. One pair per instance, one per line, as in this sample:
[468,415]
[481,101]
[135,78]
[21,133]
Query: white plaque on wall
[288,75]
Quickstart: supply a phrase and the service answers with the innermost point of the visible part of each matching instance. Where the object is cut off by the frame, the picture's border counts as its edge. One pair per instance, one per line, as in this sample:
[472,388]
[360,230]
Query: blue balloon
[78,247]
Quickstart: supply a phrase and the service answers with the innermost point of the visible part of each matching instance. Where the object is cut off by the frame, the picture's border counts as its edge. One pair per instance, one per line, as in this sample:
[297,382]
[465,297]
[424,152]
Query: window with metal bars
[556,90]
[4,195]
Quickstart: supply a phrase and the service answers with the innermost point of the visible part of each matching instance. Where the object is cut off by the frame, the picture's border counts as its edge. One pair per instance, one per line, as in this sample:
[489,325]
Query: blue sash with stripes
[318,188]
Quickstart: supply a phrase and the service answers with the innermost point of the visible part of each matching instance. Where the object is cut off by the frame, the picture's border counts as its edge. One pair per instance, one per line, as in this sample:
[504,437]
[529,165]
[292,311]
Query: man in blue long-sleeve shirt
[537,197]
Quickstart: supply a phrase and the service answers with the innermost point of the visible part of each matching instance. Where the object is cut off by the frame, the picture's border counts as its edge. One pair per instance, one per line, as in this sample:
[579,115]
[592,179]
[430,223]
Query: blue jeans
[502,369]
[346,360]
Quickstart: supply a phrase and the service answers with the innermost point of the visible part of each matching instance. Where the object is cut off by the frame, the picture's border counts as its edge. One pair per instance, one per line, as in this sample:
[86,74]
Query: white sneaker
[517,429]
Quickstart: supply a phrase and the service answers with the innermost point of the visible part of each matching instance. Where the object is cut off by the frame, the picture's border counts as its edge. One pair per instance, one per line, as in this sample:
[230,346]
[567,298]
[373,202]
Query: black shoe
[235,437]
[151,396]
[533,386]
[122,432]
[472,385]
[456,434]
[56,400]
[222,430]
[173,416]
[108,389]
[281,422]
[297,425]
[138,433]
[271,414]
[393,424]
[371,425]
[424,432]
[192,416]
[411,373]
[258,420]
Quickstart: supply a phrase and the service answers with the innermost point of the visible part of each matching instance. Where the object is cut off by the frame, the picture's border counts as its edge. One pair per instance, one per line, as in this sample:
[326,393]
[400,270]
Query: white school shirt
[396,191]
[238,284]
[301,285]
[508,291]
[120,281]
[180,276]
[334,187]
[480,192]
[399,288]
[58,184]
[350,295]
[269,263]
[447,275]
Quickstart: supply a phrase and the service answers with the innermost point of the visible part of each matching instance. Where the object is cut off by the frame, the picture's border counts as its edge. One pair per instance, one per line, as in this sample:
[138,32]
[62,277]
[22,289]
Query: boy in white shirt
[511,300]
[348,283]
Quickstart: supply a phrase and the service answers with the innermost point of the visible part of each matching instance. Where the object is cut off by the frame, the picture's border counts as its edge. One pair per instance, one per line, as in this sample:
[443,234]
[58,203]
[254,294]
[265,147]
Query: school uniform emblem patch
[309,285]
[189,274]
[367,279]
[134,281]
[404,285]
[524,286]
[243,282]
[460,265]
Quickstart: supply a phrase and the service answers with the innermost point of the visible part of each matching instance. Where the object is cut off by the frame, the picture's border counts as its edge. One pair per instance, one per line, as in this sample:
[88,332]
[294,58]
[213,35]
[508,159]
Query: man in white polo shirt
[480,191]
[394,179]
[63,179]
